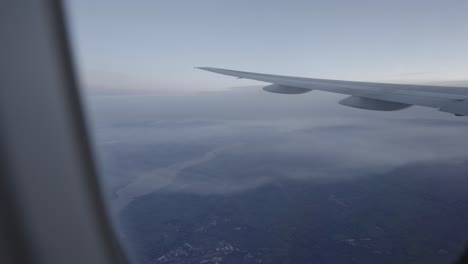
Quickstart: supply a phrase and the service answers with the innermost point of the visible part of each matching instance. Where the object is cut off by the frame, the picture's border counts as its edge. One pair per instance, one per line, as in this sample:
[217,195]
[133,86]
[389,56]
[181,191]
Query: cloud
[233,141]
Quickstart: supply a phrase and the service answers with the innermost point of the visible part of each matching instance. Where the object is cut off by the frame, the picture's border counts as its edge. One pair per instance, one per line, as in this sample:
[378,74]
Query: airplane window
[311,131]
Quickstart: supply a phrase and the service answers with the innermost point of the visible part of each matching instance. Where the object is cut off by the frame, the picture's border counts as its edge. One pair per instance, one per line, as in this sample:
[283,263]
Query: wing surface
[365,95]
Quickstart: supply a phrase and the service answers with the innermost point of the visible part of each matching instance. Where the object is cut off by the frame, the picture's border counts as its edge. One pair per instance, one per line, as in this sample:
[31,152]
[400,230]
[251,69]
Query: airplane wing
[365,95]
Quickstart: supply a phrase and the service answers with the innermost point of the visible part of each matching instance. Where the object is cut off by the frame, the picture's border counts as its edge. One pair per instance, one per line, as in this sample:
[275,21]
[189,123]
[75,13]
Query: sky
[154,45]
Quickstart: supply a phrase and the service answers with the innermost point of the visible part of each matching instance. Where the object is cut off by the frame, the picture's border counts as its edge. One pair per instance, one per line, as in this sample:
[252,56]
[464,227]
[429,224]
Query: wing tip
[204,68]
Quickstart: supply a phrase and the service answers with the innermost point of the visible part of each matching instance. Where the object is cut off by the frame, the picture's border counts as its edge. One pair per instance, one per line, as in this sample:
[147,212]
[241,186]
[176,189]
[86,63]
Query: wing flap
[282,89]
[372,104]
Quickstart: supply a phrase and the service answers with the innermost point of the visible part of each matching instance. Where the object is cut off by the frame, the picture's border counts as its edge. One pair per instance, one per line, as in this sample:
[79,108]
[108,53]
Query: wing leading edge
[365,95]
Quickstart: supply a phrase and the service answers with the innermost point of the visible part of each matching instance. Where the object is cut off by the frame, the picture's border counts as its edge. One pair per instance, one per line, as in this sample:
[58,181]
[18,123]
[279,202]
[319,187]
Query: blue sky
[154,45]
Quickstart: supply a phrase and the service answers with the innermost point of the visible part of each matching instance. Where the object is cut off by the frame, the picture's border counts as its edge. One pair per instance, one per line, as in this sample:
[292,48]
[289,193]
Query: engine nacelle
[458,108]
[283,89]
